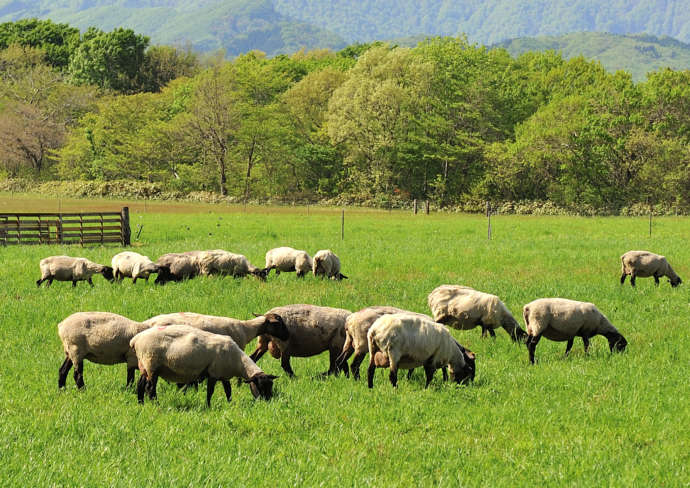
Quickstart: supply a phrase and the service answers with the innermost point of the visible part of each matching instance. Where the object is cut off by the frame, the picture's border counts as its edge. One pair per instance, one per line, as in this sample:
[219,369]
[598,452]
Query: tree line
[374,123]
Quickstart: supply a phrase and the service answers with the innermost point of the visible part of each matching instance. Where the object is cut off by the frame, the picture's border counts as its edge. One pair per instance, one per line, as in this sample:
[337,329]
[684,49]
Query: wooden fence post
[125,230]
[414,206]
[427,207]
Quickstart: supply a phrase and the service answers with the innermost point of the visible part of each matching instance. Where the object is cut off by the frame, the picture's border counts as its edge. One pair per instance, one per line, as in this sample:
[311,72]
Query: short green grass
[589,420]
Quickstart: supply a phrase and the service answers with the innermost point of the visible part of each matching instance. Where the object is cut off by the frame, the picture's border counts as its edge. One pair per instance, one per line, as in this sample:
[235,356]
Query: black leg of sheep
[228,389]
[63,371]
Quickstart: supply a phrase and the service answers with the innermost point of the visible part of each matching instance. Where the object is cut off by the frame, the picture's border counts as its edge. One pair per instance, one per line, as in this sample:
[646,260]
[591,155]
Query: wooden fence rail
[65,228]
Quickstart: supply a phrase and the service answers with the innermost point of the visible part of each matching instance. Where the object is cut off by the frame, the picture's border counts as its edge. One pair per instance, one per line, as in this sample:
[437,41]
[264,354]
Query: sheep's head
[465,373]
[675,282]
[275,326]
[261,385]
[164,275]
[262,274]
[617,342]
[108,273]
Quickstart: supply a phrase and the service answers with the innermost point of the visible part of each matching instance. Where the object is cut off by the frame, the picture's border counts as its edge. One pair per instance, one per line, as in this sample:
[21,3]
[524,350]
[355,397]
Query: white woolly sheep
[560,319]
[240,331]
[184,354]
[356,327]
[326,263]
[100,337]
[644,264]
[288,259]
[226,263]
[66,268]
[133,265]
[464,308]
[407,341]
[177,266]
[312,329]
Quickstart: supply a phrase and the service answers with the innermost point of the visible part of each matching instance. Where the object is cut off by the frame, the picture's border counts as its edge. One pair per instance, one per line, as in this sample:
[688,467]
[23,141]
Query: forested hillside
[638,54]
[447,121]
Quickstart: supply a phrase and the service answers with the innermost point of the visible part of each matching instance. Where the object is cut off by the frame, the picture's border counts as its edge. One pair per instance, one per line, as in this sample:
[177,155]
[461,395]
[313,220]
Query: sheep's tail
[525,316]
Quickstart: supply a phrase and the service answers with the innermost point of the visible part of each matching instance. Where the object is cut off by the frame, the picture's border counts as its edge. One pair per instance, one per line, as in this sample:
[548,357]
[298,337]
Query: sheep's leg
[632,279]
[409,373]
[568,347]
[444,370]
[656,280]
[585,342]
[90,282]
[429,369]
[39,281]
[130,375]
[335,367]
[344,356]
[483,332]
[134,280]
[356,362]
[151,385]
[141,388]
[492,333]
[532,342]
[258,352]
[74,283]
[50,282]
[623,276]
[285,364]
[228,389]
[63,371]
[393,375]
[210,386]
[370,372]
[79,373]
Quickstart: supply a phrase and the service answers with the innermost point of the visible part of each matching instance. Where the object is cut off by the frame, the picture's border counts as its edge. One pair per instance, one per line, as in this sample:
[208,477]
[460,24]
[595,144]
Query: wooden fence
[65,228]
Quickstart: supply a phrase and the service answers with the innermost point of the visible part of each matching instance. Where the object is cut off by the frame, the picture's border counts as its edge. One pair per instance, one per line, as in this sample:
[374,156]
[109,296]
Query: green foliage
[56,40]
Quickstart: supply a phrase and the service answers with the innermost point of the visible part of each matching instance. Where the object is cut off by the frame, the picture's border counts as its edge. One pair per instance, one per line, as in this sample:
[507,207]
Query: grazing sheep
[326,263]
[645,264]
[356,327]
[464,308]
[133,265]
[313,330]
[66,268]
[184,354]
[227,263]
[560,319]
[100,337]
[177,267]
[404,340]
[240,331]
[288,259]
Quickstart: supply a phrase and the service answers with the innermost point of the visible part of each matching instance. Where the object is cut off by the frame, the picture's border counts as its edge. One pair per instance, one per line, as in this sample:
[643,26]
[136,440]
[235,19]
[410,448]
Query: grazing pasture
[600,419]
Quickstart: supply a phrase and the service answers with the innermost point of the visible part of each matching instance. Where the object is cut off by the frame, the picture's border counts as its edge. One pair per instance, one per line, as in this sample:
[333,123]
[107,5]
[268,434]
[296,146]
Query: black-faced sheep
[464,308]
[288,259]
[66,268]
[133,265]
[312,329]
[240,331]
[177,267]
[227,263]
[644,264]
[407,341]
[356,327]
[326,263]
[100,337]
[184,354]
[560,319]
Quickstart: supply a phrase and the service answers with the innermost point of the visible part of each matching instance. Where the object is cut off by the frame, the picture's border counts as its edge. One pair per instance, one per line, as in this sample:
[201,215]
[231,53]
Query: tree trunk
[221,167]
[250,164]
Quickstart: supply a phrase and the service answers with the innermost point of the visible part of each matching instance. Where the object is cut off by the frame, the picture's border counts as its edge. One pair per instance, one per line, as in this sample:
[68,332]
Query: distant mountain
[638,54]
[236,25]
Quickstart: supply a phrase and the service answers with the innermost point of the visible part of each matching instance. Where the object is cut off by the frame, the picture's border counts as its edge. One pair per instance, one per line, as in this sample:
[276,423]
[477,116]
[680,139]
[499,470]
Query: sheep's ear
[471,355]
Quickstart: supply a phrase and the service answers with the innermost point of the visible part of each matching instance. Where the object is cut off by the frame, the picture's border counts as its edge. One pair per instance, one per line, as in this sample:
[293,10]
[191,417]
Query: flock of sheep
[187,348]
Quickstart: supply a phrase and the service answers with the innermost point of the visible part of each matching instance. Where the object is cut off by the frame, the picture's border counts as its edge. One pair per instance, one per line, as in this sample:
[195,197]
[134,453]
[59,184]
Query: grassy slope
[594,420]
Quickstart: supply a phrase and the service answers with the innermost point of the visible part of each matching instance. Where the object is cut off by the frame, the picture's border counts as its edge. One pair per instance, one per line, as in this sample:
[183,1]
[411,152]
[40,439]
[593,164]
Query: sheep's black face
[261,386]
[262,274]
[164,275]
[466,373]
[618,344]
[675,283]
[108,273]
[276,327]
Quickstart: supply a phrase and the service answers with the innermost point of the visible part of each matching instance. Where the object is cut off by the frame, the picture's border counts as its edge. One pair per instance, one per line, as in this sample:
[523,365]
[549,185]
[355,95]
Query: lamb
[645,264]
[464,308]
[288,259]
[133,265]
[227,263]
[560,319]
[177,266]
[66,268]
[313,330]
[184,354]
[356,327]
[326,263]
[404,340]
[240,331]
[100,337]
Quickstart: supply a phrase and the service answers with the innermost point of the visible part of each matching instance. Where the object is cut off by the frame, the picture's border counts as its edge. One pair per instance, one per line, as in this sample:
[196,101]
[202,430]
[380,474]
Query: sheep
[133,265]
[560,319]
[645,264]
[66,268]
[404,340]
[464,308]
[313,330]
[100,337]
[184,354]
[326,263]
[177,267]
[356,327]
[288,259]
[227,263]
[240,331]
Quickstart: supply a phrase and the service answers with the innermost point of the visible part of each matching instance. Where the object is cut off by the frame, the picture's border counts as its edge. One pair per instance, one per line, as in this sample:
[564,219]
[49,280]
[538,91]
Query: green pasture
[595,420]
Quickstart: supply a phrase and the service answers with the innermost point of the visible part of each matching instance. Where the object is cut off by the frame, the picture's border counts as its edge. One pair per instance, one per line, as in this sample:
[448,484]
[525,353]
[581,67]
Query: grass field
[601,419]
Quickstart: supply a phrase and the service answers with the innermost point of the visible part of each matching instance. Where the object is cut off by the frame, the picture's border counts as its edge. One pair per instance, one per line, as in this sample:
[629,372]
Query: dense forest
[373,124]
